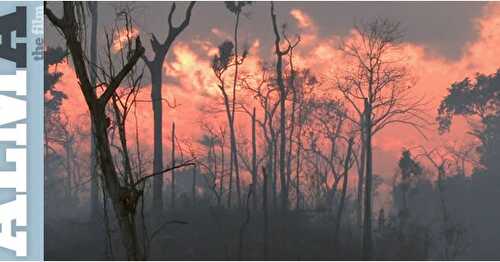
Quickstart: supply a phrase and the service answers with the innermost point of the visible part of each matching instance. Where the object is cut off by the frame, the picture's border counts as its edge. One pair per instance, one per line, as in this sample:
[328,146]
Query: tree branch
[115,81]
[185,164]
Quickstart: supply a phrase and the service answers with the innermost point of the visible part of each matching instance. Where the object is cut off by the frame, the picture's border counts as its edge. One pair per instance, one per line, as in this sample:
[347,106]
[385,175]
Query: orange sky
[194,88]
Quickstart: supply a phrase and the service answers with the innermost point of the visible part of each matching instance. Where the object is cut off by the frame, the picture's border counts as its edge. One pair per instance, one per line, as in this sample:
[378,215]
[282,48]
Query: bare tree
[124,193]
[377,87]
[266,212]
[453,233]
[173,196]
[254,161]
[222,62]
[155,64]
[347,165]
[123,198]
[282,102]
[236,8]
[264,92]
[94,190]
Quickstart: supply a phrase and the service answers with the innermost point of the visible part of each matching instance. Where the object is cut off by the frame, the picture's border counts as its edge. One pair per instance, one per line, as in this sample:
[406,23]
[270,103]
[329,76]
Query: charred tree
[94,184]
[254,161]
[282,97]
[123,199]
[155,65]
[172,196]
[345,176]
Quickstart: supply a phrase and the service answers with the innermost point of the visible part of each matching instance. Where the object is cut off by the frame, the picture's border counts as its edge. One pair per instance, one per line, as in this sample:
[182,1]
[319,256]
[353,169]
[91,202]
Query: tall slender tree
[94,184]
[254,161]
[123,191]
[280,53]
[173,195]
[124,199]
[155,65]
[377,85]
[236,8]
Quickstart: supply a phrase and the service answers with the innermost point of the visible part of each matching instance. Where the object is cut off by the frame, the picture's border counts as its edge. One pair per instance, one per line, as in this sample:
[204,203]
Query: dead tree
[221,63]
[236,8]
[377,85]
[453,232]
[266,212]
[265,94]
[254,161]
[123,199]
[94,190]
[172,182]
[193,188]
[160,49]
[345,174]
[282,102]
[124,195]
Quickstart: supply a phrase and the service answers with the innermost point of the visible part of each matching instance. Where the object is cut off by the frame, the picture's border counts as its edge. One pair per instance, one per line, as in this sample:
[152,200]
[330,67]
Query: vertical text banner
[21,130]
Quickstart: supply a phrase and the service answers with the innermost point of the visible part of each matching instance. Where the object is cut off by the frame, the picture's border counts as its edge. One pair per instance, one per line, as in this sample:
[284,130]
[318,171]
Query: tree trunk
[222,173]
[94,184]
[234,164]
[123,199]
[155,68]
[266,212]
[292,125]
[193,187]
[254,161]
[297,168]
[361,175]
[367,229]
[282,98]
[156,97]
[234,150]
[230,182]
[338,221]
[274,173]
[122,134]
[172,197]
[282,150]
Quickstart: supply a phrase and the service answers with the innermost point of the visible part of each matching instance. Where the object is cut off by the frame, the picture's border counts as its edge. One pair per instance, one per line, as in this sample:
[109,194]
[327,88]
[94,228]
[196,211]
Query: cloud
[195,87]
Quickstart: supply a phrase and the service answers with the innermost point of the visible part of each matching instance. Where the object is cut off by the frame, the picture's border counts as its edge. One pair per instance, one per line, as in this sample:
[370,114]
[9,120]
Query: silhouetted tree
[124,193]
[155,65]
[94,184]
[236,8]
[377,86]
[477,98]
[408,168]
[280,53]
[221,62]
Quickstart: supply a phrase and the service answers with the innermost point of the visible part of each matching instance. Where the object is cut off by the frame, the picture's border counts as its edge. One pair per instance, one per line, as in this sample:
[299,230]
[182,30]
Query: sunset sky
[444,42]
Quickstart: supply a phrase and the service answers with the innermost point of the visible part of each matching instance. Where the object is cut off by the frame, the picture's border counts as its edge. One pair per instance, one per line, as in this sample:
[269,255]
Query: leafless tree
[280,53]
[377,86]
[221,63]
[155,65]
[94,190]
[123,193]
[453,233]
[345,173]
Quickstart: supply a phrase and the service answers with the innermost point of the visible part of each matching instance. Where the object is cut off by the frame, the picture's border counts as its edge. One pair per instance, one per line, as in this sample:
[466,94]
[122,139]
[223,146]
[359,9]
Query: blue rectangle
[12,99]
